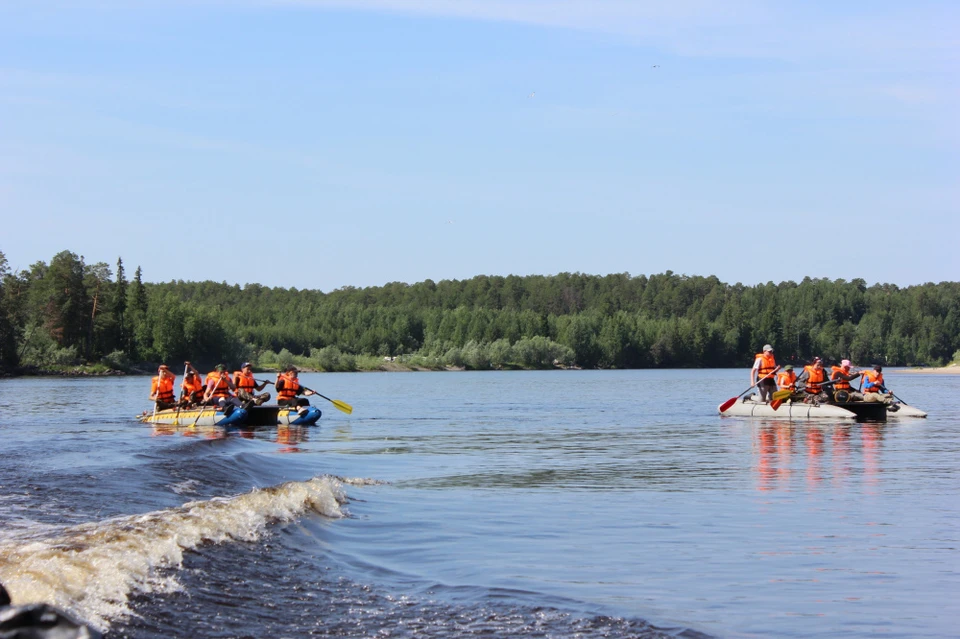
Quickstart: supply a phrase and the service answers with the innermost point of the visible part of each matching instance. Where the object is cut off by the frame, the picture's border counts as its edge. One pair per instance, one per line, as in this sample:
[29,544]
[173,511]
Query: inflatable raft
[254,416]
[746,407]
[202,416]
[863,411]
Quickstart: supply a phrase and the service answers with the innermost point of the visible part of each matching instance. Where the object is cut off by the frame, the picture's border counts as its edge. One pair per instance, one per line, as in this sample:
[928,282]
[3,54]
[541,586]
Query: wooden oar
[342,406]
[733,400]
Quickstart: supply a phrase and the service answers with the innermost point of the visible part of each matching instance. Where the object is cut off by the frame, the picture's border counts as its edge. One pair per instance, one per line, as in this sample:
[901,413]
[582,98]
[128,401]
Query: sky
[321,144]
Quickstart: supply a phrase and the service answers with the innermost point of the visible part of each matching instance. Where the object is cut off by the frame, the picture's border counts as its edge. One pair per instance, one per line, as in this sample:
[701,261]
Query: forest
[67,313]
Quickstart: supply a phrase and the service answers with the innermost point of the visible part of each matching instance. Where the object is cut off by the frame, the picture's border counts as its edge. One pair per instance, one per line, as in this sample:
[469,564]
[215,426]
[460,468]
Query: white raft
[906,411]
[746,407]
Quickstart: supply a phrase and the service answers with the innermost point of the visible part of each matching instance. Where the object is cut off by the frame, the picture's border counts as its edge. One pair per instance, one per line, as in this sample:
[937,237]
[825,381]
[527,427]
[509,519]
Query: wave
[93,569]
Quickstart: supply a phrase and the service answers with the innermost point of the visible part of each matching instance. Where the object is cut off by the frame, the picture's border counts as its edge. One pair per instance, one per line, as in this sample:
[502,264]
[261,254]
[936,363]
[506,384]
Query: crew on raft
[875,391]
[787,380]
[288,387]
[812,380]
[221,390]
[246,386]
[761,375]
[225,391]
[161,388]
[841,377]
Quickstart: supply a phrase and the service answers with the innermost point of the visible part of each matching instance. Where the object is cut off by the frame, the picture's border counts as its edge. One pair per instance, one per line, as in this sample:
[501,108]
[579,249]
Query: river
[522,504]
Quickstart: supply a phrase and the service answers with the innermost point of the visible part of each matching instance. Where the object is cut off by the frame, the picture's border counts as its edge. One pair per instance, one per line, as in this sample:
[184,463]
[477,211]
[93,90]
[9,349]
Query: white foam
[92,569]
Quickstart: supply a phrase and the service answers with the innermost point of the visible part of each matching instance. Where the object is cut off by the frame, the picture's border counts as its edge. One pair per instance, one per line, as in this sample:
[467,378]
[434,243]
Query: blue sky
[323,143]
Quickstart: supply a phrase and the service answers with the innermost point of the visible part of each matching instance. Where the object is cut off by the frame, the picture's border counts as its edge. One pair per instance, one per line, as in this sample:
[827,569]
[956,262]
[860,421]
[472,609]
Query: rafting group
[224,391]
[222,399]
[814,385]
[816,391]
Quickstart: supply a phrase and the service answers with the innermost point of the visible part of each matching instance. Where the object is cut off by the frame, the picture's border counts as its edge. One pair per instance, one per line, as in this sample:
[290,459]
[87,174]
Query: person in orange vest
[161,388]
[764,364]
[875,391]
[192,387]
[288,387]
[787,380]
[811,380]
[842,376]
[246,385]
[221,390]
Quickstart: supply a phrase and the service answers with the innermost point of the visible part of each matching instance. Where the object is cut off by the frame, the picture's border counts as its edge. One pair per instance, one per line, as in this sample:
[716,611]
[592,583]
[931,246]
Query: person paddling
[246,385]
[220,390]
[192,387]
[875,391]
[842,376]
[161,388]
[288,387]
[811,379]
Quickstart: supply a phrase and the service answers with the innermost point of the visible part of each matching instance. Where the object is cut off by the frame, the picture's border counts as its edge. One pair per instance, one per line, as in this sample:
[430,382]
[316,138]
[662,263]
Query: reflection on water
[836,453]
[289,437]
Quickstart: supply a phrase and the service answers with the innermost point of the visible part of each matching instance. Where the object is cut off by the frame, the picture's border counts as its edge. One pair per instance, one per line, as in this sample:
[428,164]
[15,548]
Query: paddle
[782,394]
[733,400]
[343,406]
[176,418]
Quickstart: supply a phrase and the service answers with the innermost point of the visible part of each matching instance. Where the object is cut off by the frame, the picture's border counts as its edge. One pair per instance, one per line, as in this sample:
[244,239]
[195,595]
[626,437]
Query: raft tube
[201,416]
[787,410]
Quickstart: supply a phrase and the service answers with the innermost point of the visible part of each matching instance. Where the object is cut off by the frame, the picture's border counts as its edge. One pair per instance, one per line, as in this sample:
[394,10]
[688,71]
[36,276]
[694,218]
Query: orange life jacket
[191,384]
[767,364]
[814,378]
[786,379]
[244,382]
[290,387]
[873,379]
[162,388]
[221,386]
[842,384]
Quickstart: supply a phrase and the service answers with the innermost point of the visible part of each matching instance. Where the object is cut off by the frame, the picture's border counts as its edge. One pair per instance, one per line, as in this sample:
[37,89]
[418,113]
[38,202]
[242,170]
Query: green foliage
[487,322]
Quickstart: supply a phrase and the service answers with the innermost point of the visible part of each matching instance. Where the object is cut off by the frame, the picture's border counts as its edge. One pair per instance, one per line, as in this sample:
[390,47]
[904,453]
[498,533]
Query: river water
[521,504]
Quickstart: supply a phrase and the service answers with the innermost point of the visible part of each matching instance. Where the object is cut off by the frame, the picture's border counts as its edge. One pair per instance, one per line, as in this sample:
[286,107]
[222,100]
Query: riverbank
[952,369]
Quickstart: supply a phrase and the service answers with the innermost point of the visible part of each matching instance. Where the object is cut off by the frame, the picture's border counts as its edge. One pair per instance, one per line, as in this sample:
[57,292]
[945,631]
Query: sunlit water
[528,504]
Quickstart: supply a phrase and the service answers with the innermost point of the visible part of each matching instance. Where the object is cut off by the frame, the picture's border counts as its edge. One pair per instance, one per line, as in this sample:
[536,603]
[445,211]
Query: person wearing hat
[761,375]
[288,387]
[841,377]
[246,386]
[191,388]
[811,380]
[221,390]
[161,388]
[875,391]
[787,379]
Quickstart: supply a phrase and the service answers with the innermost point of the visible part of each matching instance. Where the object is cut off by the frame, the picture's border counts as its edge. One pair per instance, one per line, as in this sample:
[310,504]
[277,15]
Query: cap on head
[767,347]
[788,367]
[221,367]
[817,359]
[845,363]
[246,365]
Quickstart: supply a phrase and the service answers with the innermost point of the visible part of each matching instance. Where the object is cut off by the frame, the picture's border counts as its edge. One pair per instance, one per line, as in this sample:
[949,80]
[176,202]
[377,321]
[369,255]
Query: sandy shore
[953,369]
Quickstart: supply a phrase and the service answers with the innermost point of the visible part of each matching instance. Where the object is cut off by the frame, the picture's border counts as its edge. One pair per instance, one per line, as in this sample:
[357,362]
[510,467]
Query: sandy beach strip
[953,369]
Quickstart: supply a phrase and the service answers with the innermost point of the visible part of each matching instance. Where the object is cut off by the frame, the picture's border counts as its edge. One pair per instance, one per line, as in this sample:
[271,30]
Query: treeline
[67,312]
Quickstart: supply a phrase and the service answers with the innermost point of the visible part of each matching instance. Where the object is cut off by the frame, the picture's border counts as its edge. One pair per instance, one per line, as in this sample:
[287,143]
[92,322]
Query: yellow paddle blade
[782,394]
[343,406]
